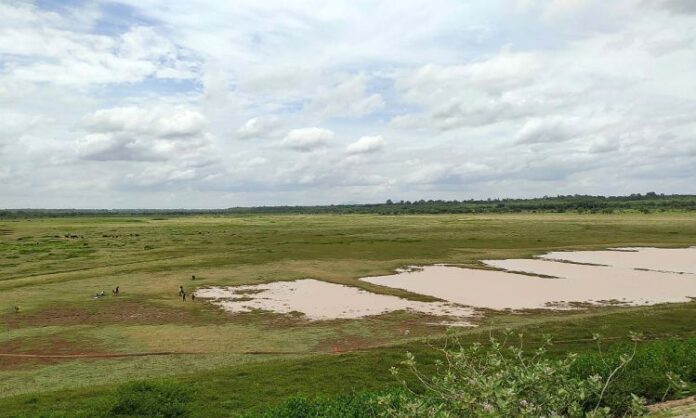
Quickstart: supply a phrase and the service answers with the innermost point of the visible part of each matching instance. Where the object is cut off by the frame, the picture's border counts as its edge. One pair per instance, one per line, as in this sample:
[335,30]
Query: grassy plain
[51,267]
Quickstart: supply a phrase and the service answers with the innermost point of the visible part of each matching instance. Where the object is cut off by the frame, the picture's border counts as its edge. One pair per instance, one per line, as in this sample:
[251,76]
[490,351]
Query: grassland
[51,267]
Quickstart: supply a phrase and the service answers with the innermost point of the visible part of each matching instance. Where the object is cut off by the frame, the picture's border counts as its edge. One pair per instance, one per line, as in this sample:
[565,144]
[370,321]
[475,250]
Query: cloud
[258,127]
[157,175]
[38,46]
[674,6]
[136,133]
[537,131]
[140,104]
[494,74]
[602,145]
[168,122]
[366,145]
[307,139]
[480,93]
[562,8]
[347,98]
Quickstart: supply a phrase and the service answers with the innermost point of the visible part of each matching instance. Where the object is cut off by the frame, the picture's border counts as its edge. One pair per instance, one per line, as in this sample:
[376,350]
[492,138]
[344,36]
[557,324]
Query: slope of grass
[254,387]
[51,267]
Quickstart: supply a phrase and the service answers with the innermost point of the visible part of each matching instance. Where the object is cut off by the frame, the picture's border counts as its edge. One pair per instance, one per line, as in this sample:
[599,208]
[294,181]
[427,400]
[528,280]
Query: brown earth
[116,312]
[29,351]
[679,408]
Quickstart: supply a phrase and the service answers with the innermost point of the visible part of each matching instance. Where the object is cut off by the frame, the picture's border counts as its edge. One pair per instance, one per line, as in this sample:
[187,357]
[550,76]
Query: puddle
[598,284]
[319,300]
[571,283]
[678,260]
[479,288]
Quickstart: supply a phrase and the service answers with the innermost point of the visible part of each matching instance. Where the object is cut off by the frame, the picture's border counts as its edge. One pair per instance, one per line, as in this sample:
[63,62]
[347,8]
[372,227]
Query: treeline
[646,203]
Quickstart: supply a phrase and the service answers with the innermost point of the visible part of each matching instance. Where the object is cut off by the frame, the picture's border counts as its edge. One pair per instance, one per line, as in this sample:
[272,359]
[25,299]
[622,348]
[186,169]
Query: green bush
[652,374]
[160,399]
[360,405]
[502,380]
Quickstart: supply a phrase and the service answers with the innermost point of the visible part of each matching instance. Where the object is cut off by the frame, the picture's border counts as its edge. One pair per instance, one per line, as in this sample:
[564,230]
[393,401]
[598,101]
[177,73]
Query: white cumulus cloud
[136,133]
[366,145]
[307,139]
[258,127]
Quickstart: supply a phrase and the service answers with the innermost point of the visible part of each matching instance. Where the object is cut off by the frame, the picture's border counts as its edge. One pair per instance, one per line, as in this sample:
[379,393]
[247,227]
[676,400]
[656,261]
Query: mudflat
[521,285]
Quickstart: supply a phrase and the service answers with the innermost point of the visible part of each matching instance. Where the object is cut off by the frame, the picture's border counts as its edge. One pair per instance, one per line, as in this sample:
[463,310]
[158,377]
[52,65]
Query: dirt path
[94,355]
[166,353]
[326,350]
[679,408]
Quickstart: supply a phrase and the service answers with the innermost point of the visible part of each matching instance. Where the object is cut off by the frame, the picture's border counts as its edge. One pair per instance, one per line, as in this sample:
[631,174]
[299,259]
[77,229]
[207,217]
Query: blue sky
[207,104]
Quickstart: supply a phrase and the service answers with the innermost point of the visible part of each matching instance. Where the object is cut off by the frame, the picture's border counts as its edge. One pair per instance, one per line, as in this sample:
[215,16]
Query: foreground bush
[362,405]
[499,380]
[659,370]
[152,399]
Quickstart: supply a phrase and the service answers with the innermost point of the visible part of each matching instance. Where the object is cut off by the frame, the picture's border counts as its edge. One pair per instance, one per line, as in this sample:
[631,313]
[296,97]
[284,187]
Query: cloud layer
[148,104]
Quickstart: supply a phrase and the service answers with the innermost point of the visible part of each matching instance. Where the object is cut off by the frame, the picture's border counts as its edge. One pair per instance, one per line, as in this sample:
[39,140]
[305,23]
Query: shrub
[498,380]
[152,399]
[659,370]
[360,405]
[502,380]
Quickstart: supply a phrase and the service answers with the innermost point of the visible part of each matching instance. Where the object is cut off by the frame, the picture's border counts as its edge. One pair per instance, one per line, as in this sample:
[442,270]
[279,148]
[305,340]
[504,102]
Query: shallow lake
[678,260]
[557,280]
[520,287]
[319,300]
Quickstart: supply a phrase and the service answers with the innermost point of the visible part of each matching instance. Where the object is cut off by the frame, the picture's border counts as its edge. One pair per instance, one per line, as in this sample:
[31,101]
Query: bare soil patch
[31,351]
[675,408]
[116,312]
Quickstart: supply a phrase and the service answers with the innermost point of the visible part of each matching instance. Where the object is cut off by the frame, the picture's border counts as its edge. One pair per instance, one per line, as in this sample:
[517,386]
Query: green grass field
[51,267]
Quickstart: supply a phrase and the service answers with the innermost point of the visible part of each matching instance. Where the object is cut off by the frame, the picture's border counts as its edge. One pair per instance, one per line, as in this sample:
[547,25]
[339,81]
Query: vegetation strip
[346,351]
[105,355]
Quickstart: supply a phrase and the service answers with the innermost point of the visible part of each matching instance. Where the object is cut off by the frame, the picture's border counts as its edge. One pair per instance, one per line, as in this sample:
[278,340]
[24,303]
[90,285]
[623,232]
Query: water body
[319,300]
[557,280]
[678,260]
[619,282]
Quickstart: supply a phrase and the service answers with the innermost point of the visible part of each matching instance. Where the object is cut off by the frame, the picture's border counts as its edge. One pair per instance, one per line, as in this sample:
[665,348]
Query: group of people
[182,294]
[117,291]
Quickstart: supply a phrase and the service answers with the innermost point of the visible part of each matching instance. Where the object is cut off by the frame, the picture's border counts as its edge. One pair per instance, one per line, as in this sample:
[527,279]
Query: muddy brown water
[678,260]
[570,283]
[319,300]
[631,276]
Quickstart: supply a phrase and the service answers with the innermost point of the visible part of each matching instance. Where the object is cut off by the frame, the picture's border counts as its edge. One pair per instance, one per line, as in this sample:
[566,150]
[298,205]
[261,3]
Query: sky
[214,104]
